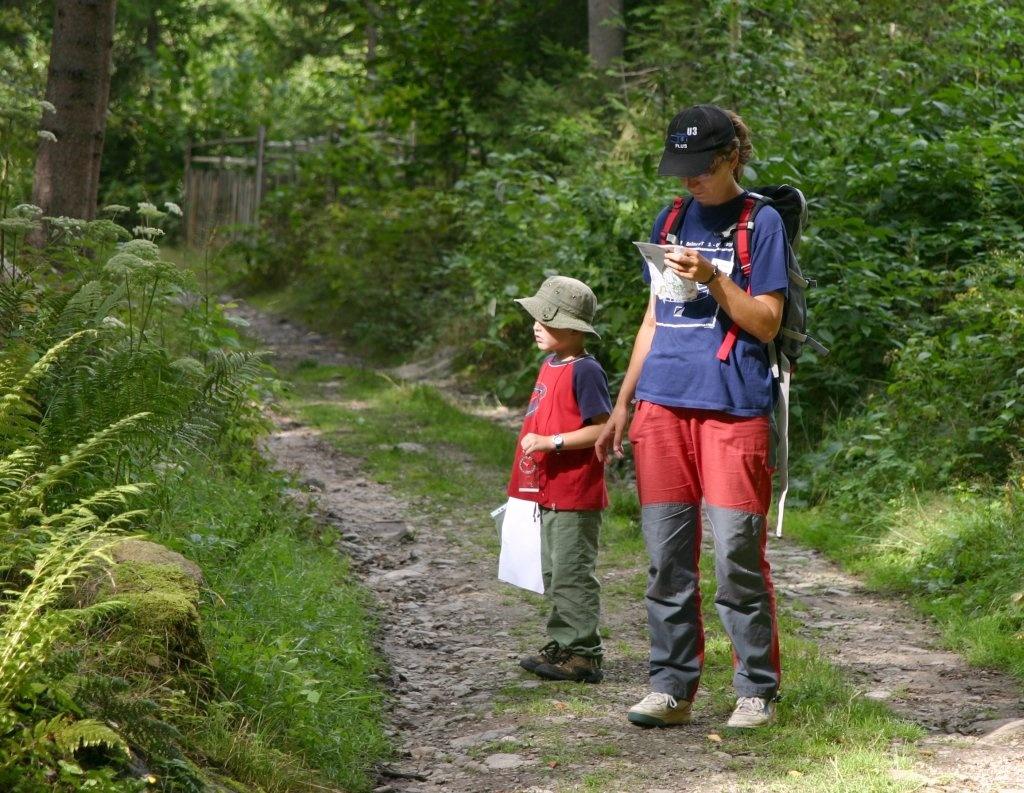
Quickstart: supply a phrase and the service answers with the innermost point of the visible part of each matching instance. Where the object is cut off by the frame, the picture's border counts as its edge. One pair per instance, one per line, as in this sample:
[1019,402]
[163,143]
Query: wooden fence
[226,179]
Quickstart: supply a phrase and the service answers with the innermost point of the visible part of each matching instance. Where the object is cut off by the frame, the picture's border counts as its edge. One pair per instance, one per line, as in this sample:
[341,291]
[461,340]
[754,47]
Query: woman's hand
[532,442]
[688,263]
[609,442]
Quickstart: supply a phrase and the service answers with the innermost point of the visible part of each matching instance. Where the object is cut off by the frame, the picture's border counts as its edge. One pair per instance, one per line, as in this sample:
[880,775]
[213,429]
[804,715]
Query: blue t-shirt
[682,369]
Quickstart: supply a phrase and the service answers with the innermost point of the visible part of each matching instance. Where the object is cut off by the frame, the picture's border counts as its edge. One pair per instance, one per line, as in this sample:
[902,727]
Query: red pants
[684,456]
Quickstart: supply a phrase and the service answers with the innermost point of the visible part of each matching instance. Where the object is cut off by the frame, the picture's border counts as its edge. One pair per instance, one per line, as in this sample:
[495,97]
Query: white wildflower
[122,264]
[26,211]
[116,209]
[173,208]
[47,107]
[144,249]
[18,226]
[149,211]
[45,134]
[147,231]
[112,322]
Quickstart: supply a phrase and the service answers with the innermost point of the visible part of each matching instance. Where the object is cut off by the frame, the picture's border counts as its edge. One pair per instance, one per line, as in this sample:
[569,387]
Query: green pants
[568,548]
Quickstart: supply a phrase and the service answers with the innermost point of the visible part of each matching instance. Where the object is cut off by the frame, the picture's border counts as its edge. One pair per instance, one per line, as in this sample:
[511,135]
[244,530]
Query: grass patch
[957,556]
[289,635]
[455,457]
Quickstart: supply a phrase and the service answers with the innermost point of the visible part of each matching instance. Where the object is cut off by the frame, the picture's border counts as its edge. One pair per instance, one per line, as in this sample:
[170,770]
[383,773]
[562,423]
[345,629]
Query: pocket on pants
[635,426]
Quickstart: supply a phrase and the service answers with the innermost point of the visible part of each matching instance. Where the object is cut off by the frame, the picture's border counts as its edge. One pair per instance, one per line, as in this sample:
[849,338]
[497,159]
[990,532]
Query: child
[556,467]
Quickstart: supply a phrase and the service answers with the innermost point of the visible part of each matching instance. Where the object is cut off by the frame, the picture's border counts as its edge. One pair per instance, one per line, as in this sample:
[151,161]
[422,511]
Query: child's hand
[532,442]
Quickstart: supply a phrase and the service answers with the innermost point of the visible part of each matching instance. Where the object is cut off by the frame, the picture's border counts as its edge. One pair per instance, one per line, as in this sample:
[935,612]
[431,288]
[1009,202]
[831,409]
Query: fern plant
[106,375]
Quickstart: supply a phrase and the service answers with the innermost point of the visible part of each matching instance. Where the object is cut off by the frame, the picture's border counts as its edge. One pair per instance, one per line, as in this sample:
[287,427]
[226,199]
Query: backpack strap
[782,369]
[744,230]
[674,220]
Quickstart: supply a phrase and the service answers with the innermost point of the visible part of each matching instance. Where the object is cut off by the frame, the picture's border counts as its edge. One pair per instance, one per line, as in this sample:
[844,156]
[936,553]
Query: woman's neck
[727,194]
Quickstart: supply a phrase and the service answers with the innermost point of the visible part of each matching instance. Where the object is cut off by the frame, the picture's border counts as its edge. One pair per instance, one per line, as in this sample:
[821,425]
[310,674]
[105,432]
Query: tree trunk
[78,85]
[372,36]
[606,36]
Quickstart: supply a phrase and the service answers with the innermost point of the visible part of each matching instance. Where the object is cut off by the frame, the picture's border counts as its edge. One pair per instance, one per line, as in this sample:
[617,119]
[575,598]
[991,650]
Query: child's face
[560,341]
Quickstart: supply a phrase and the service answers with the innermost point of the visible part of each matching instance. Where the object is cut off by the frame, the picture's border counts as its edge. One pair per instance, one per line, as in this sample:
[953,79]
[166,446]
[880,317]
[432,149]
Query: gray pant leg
[745,603]
[672,535]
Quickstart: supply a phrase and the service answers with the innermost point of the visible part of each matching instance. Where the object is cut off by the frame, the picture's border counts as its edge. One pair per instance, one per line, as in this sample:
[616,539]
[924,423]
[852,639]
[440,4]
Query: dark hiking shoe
[550,653]
[570,666]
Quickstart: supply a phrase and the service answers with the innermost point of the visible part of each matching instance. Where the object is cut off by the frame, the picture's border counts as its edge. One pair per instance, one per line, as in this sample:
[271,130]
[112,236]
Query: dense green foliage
[909,165]
[128,405]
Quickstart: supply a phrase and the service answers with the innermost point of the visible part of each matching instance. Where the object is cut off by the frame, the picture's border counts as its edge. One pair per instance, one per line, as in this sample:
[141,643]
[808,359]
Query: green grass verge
[289,635]
[957,555]
[827,739]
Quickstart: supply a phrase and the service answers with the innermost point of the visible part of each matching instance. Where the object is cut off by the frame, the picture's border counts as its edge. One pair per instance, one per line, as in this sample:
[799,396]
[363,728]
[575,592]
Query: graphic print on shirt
[539,392]
[672,309]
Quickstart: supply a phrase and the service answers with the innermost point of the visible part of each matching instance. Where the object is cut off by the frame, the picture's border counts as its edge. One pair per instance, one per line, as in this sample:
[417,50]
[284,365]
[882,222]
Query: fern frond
[87,307]
[87,732]
[138,717]
[29,626]
[111,499]
[16,467]
[94,448]
[15,302]
[16,402]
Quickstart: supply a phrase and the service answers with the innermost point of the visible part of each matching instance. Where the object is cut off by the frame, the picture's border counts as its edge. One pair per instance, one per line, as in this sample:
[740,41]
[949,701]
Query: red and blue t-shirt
[682,369]
[566,396]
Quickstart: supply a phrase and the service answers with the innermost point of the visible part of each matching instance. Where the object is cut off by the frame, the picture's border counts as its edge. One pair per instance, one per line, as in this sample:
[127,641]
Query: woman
[701,428]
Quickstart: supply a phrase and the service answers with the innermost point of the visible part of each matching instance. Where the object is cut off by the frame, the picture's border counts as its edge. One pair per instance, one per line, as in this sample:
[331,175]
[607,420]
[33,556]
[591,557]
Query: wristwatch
[559,442]
[714,274]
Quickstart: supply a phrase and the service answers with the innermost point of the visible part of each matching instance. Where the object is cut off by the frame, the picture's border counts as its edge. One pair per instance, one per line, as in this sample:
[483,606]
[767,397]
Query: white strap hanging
[783,374]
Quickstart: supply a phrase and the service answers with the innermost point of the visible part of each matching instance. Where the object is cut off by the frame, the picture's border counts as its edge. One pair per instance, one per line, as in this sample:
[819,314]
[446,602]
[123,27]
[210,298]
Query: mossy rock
[160,591]
[146,552]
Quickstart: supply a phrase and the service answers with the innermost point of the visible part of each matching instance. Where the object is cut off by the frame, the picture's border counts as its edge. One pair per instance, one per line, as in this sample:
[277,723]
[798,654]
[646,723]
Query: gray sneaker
[660,710]
[752,712]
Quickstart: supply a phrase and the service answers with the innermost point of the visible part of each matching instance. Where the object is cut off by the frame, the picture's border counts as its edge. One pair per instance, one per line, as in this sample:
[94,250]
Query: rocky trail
[452,632]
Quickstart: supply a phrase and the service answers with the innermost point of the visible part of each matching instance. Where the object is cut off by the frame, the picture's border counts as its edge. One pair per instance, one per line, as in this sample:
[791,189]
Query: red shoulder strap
[670,219]
[744,227]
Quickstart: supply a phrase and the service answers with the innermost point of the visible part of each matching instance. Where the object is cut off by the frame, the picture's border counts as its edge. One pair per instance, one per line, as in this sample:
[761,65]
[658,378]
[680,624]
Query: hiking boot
[550,653]
[569,666]
[752,712]
[660,710]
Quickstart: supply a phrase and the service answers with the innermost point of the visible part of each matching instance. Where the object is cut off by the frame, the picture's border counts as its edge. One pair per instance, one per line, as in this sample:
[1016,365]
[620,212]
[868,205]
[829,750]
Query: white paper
[655,254]
[669,285]
[519,561]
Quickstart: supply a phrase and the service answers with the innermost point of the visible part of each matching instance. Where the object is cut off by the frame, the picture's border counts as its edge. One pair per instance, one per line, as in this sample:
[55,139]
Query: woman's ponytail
[741,143]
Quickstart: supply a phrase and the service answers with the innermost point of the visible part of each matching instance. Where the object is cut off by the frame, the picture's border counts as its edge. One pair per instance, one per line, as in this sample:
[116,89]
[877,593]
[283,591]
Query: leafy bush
[955,407]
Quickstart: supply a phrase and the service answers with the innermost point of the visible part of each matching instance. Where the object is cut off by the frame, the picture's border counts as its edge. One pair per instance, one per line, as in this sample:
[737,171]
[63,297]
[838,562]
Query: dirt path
[451,633]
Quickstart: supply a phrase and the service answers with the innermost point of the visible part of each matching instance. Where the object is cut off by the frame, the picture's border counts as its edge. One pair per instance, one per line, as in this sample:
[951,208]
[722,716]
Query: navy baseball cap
[694,136]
